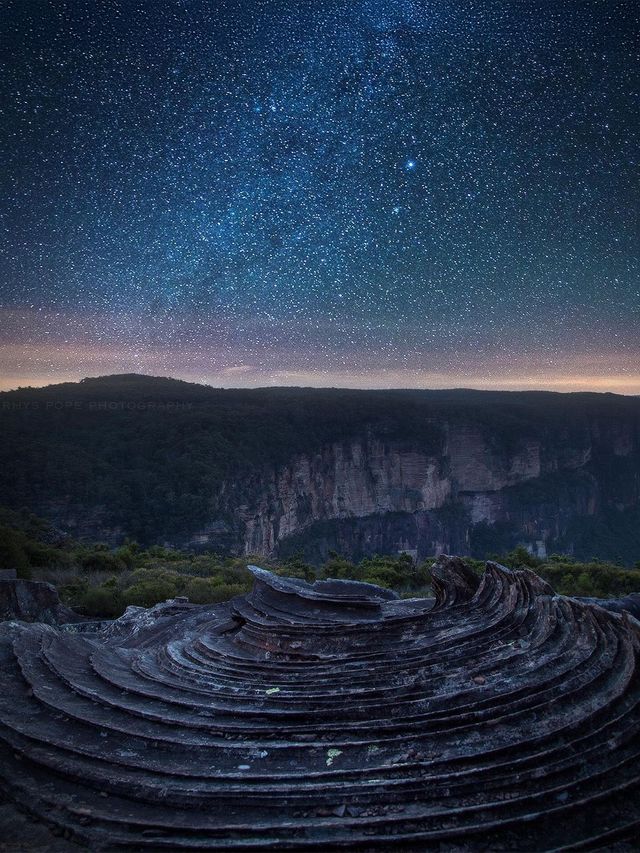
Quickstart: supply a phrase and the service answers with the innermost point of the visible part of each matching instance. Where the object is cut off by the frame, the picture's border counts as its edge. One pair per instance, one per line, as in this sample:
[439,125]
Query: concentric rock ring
[331,716]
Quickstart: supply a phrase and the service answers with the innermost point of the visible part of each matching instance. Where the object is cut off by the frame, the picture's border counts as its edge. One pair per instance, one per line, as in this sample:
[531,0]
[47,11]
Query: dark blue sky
[346,192]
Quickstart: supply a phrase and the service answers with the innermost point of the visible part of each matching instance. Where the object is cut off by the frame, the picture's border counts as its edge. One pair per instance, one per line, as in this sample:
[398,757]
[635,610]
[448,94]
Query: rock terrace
[332,716]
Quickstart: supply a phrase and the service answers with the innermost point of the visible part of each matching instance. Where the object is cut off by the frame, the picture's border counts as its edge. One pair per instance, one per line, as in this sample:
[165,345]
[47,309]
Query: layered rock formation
[333,716]
[32,601]
[341,481]
[371,496]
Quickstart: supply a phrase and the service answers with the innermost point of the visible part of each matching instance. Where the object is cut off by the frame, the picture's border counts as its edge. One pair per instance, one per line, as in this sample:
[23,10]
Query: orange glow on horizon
[628,384]
[38,365]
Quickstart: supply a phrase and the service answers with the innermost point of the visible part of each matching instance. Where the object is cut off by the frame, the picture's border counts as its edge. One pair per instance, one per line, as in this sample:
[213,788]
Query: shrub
[72,591]
[295,567]
[519,558]
[386,576]
[46,556]
[101,561]
[125,555]
[12,552]
[159,552]
[235,572]
[101,601]
[207,591]
[338,567]
[147,593]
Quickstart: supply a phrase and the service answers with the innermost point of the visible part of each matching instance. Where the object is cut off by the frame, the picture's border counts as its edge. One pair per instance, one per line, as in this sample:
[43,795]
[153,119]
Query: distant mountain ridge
[277,470]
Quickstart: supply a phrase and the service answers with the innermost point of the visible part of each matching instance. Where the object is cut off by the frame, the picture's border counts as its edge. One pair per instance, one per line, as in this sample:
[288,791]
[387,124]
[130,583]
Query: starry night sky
[372,193]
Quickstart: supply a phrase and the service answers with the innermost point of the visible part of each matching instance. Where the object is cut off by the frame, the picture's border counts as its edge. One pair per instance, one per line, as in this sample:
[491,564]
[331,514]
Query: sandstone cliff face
[357,479]
[476,467]
[282,470]
[370,495]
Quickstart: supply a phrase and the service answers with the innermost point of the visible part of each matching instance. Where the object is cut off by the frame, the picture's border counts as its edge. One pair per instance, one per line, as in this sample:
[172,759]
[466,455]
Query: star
[189,186]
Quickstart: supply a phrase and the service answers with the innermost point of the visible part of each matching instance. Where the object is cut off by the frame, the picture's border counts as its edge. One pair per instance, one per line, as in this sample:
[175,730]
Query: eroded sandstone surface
[329,716]
[32,601]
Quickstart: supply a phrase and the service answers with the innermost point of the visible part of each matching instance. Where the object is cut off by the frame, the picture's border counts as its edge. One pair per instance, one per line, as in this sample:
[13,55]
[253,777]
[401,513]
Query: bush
[338,567]
[295,567]
[161,553]
[200,590]
[147,593]
[101,561]
[208,591]
[235,572]
[46,556]
[595,579]
[519,558]
[12,552]
[125,555]
[386,576]
[101,601]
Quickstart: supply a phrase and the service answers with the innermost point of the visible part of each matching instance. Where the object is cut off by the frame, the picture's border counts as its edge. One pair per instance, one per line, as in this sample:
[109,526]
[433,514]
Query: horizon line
[203,383]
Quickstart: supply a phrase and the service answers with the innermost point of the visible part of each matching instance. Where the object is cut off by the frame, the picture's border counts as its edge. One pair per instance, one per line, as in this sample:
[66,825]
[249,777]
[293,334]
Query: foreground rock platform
[332,716]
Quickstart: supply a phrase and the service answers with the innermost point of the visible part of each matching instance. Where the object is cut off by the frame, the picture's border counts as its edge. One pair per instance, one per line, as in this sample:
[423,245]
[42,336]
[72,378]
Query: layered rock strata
[32,601]
[333,716]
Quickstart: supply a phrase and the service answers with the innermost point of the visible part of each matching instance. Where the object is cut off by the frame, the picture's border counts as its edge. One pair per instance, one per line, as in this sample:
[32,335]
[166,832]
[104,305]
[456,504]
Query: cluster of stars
[329,192]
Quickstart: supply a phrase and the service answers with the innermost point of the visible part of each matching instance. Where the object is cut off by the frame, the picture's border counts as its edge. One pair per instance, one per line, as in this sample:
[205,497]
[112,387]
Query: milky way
[350,192]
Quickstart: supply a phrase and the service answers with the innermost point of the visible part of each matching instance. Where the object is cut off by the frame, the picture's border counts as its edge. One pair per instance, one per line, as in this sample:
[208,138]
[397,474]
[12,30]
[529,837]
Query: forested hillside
[282,470]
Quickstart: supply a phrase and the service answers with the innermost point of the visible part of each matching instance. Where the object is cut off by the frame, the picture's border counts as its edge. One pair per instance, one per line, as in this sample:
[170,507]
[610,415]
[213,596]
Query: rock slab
[332,716]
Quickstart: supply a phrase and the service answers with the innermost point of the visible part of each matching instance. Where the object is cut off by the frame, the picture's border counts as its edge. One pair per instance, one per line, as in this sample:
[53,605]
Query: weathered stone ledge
[500,716]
